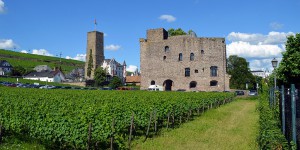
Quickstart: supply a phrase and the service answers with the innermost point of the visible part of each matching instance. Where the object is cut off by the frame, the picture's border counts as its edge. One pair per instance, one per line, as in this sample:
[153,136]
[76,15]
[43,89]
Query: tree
[240,73]
[18,71]
[90,64]
[115,82]
[99,76]
[173,32]
[288,71]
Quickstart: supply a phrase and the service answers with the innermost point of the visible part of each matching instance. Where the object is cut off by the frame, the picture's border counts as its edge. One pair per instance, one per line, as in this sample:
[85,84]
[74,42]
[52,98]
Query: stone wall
[159,65]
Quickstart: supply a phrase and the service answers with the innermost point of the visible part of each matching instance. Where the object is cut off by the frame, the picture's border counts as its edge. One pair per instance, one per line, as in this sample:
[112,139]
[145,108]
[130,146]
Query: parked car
[252,92]
[47,87]
[239,93]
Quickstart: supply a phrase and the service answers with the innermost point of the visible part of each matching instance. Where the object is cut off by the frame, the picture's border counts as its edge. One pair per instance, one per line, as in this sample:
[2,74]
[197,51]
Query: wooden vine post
[89,136]
[112,134]
[130,132]
[168,120]
[148,127]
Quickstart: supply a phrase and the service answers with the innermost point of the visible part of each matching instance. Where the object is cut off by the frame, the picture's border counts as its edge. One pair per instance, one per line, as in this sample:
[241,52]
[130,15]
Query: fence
[289,110]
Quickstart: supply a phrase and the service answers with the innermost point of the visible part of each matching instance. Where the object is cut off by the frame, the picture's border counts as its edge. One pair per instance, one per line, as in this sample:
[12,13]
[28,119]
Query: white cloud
[257,49]
[2,9]
[276,25]
[112,47]
[168,18]
[256,38]
[80,57]
[41,52]
[247,50]
[7,44]
[24,51]
[131,68]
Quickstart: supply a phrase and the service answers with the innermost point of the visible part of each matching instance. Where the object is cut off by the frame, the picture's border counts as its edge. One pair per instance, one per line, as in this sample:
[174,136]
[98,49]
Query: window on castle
[192,57]
[187,72]
[167,49]
[213,71]
[180,57]
[152,82]
[202,51]
[213,83]
[196,70]
[165,57]
[193,84]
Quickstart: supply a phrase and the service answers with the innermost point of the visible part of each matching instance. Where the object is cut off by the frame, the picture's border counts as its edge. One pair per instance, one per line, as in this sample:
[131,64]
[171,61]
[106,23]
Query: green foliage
[29,61]
[240,73]
[270,135]
[18,71]
[90,64]
[99,76]
[115,82]
[60,118]
[289,68]
[173,32]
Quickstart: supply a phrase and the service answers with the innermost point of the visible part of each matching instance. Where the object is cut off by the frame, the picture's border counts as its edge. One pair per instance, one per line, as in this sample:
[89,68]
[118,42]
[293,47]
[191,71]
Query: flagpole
[95,25]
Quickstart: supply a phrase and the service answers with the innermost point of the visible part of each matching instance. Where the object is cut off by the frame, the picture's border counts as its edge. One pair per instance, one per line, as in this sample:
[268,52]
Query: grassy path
[230,127]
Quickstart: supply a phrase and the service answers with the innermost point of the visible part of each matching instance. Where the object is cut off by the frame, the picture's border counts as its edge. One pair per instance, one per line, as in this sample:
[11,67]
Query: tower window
[193,84]
[187,72]
[202,51]
[213,71]
[165,57]
[167,49]
[196,70]
[191,56]
[152,82]
[213,83]
[180,57]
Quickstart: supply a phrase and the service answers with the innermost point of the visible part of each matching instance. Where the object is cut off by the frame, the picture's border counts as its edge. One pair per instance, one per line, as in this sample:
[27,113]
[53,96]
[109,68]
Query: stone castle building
[95,48]
[183,62]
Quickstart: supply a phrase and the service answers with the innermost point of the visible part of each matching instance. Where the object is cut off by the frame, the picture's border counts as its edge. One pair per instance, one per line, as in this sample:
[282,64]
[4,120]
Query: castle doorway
[168,85]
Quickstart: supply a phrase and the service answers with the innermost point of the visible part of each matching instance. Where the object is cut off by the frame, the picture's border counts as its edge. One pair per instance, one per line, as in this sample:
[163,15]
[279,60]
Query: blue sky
[255,30]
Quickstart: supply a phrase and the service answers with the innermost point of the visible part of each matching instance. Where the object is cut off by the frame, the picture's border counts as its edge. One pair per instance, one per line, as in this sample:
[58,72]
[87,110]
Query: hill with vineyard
[29,61]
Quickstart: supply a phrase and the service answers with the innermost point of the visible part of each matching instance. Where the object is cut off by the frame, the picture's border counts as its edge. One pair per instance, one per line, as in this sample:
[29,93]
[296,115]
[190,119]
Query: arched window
[213,83]
[152,82]
[167,49]
[213,71]
[193,84]
[180,57]
[191,56]
[187,72]
[165,57]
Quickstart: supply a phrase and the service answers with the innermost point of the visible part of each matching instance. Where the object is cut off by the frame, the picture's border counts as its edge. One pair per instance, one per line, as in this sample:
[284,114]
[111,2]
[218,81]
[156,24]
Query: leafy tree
[173,32]
[18,71]
[90,64]
[288,71]
[99,76]
[115,82]
[240,73]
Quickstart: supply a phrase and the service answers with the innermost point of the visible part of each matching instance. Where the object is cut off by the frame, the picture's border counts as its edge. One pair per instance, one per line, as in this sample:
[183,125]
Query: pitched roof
[49,74]
[131,79]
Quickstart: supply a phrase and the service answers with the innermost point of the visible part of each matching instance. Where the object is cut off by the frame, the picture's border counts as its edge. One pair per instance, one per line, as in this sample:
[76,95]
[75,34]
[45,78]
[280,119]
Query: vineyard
[75,119]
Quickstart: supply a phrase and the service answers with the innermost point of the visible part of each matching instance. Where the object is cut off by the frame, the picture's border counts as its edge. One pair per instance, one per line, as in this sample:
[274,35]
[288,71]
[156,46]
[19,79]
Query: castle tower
[94,50]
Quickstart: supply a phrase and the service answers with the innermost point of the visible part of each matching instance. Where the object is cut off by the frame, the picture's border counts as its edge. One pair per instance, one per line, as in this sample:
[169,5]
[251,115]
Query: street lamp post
[274,64]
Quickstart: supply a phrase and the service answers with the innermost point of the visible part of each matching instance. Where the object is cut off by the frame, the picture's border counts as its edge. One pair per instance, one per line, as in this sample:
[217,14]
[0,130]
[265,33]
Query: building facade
[183,62]
[114,68]
[95,51]
[5,67]
[260,73]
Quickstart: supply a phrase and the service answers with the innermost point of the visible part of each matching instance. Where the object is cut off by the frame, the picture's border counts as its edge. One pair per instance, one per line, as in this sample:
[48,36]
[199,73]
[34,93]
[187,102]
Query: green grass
[29,61]
[233,126]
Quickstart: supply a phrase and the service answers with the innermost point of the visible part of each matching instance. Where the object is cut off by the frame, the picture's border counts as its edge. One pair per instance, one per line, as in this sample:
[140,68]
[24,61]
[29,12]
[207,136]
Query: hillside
[29,61]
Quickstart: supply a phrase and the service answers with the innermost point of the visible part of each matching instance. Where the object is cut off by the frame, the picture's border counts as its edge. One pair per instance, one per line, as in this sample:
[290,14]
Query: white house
[40,68]
[261,73]
[5,67]
[48,76]
[114,68]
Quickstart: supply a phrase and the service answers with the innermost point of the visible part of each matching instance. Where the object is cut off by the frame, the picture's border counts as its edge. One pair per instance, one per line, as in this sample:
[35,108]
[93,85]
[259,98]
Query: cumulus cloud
[41,52]
[168,18]
[24,51]
[7,44]
[112,47]
[257,49]
[80,57]
[131,68]
[2,6]
[276,25]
